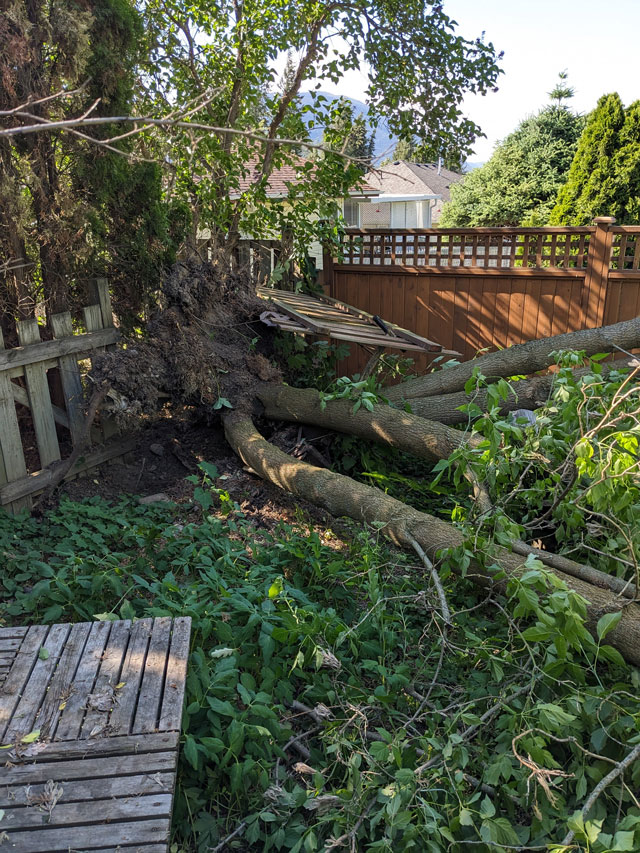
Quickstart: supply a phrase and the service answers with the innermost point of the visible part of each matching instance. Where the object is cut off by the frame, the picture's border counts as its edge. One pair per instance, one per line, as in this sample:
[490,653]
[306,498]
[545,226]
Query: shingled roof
[406,179]
[283,176]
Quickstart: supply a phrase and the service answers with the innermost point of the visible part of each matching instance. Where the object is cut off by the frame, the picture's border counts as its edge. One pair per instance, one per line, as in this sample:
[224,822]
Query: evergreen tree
[590,188]
[404,150]
[350,134]
[519,183]
[604,178]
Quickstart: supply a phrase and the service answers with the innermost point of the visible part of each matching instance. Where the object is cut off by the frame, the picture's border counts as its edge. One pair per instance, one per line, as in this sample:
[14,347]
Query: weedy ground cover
[325,699]
[328,706]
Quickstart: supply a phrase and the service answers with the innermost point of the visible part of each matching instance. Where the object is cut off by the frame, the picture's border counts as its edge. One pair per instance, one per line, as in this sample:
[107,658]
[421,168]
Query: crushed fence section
[55,422]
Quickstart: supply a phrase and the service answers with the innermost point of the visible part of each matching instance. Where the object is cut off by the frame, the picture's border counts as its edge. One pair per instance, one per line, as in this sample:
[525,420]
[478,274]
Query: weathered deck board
[101,703]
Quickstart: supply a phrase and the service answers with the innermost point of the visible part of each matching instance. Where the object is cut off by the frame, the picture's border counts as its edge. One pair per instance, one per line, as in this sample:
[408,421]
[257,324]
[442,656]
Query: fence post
[327,270]
[597,273]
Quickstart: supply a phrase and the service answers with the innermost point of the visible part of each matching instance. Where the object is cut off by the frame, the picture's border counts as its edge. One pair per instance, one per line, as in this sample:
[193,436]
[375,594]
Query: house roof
[283,176]
[404,179]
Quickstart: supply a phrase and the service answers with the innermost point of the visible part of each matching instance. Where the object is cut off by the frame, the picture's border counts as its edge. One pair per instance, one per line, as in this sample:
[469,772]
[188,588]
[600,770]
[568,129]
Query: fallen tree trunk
[525,394]
[520,359]
[342,496]
[384,425]
[420,437]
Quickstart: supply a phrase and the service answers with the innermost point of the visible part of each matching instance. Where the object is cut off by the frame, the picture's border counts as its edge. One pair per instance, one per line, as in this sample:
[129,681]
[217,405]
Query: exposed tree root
[342,496]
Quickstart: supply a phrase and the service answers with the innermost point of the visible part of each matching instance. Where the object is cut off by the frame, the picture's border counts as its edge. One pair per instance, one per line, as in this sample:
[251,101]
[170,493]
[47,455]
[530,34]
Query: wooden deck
[90,720]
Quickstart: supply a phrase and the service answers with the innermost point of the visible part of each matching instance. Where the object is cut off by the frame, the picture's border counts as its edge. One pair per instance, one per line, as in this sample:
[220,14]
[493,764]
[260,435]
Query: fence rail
[476,288]
[26,379]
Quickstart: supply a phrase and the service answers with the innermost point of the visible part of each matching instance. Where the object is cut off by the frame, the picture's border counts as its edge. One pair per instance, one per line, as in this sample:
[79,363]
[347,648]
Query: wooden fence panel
[12,462]
[27,365]
[70,377]
[477,288]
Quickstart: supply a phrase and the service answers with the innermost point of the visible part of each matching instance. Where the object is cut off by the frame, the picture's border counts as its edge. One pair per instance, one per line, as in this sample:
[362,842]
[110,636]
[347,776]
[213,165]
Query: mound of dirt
[206,347]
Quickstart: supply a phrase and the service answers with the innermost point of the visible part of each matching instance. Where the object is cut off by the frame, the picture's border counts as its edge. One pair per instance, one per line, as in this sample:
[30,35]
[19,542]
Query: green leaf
[190,751]
[465,817]
[623,840]
[607,623]
[31,737]
[487,809]
[276,587]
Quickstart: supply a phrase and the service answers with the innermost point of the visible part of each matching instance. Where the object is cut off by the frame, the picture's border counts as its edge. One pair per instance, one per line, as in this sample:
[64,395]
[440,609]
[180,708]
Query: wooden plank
[59,688]
[72,715]
[91,789]
[461,297]
[303,319]
[70,377]
[10,633]
[21,396]
[23,717]
[12,462]
[110,766]
[476,271]
[501,325]
[39,398]
[89,838]
[99,292]
[98,747]
[108,676]
[397,330]
[152,687]
[122,715]
[46,350]
[25,660]
[34,483]
[171,710]
[10,644]
[72,815]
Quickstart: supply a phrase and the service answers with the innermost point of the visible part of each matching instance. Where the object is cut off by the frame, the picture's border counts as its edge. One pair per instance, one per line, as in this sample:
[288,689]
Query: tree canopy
[70,209]
[519,183]
[604,178]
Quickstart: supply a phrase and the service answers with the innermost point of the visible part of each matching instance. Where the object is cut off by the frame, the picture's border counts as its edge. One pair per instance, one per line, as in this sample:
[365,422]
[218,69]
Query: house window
[351,213]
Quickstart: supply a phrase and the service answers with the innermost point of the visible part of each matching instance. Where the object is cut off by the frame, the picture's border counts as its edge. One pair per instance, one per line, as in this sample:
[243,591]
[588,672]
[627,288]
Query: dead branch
[444,607]
[611,776]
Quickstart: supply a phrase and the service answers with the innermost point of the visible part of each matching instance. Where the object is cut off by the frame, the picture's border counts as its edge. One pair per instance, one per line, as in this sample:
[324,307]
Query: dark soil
[179,445]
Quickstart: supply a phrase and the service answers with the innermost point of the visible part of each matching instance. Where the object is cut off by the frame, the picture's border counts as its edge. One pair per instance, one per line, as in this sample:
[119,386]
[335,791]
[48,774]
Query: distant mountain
[384,143]
[470,165]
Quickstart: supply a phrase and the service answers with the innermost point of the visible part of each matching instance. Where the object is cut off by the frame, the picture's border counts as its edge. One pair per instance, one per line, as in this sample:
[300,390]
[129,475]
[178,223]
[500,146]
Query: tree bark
[384,425]
[520,359]
[525,394]
[342,496]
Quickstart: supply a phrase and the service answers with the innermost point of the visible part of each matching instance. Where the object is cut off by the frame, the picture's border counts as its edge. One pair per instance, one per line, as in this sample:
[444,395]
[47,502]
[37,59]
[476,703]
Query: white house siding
[374,215]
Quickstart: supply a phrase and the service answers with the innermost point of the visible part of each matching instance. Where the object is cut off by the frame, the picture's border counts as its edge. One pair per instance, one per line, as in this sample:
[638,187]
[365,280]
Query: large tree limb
[524,394]
[384,425]
[520,359]
[342,496]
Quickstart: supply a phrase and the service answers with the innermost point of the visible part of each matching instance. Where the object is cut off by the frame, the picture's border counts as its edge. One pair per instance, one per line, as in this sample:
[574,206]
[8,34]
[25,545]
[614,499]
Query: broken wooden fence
[24,381]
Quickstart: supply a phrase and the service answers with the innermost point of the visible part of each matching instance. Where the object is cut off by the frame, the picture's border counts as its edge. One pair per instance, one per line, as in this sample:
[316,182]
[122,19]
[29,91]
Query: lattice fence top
[478,248]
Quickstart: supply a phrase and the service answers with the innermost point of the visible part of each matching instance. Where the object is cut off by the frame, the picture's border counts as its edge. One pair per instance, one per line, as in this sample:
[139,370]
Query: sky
[597,43]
